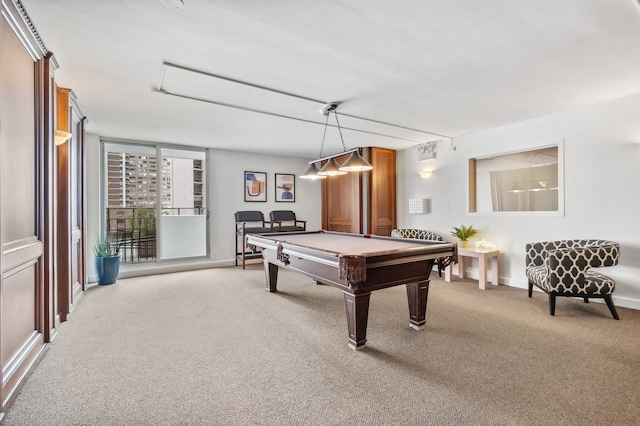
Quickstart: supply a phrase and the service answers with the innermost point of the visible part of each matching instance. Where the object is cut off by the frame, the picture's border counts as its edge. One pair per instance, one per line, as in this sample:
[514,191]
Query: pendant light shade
[355,163]
[312,173]
[332,168]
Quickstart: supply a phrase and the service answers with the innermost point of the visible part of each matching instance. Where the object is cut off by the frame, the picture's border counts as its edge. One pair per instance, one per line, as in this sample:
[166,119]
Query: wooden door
[382,196]
[342,202]
[362,202]
[21,201]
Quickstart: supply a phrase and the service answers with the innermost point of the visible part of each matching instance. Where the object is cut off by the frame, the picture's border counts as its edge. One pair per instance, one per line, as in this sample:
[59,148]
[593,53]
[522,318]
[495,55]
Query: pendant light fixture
[331,168]
[355,162]
[312,173]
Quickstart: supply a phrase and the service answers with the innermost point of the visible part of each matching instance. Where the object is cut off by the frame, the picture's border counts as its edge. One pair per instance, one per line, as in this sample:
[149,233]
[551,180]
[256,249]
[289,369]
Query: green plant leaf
[105,246]
[463,233]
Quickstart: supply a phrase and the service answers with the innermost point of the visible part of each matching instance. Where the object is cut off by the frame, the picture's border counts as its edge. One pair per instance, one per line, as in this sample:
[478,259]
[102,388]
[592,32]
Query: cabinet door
[349,199]
[342,202]
[382,196]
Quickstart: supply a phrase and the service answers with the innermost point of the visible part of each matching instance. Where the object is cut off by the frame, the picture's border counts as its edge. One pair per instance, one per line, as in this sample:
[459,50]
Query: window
[523,182]
[155,201]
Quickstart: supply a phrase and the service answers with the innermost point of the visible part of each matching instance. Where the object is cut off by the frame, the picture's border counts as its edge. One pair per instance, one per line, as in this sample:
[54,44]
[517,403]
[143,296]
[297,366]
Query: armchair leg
[611,306]
[530,288]
[552,304]
[586,300]
[439,268]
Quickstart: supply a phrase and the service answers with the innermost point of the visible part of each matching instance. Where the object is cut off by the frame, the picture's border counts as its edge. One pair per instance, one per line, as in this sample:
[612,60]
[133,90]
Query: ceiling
[254,75]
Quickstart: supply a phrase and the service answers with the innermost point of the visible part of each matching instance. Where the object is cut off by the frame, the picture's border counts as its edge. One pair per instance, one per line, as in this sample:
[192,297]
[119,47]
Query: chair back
[249,216]
[600,253]
[567,261]
[286,221]
[282,216]
[417,234]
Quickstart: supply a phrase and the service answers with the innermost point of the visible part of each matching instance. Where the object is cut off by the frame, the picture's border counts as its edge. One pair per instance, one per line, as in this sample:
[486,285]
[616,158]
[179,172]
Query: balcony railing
[133,229]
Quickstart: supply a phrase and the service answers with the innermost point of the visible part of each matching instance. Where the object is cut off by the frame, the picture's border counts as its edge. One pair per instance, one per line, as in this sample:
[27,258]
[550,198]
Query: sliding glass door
[155,201]
[183,219]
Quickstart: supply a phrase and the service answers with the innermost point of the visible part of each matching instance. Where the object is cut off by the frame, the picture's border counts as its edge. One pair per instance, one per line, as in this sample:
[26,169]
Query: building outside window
[150,189]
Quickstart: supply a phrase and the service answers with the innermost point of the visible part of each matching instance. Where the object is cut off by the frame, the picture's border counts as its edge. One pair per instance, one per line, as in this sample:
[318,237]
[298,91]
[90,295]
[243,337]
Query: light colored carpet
[213,347]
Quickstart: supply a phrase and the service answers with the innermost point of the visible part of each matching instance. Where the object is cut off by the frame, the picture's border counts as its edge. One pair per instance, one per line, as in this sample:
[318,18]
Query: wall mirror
[521,182]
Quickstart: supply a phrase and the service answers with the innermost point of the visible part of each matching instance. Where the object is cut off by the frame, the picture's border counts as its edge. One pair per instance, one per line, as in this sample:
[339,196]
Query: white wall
[93,199]
[602,188]
[226,196]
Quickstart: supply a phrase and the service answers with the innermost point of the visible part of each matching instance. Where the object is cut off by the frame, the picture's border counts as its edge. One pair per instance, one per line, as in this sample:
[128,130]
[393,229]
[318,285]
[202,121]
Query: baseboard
[153,268]
[621,301]
[626,302]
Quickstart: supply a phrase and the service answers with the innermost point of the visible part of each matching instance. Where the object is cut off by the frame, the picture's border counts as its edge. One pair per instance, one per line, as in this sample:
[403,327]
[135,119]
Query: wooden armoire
[362,203]
[41,200]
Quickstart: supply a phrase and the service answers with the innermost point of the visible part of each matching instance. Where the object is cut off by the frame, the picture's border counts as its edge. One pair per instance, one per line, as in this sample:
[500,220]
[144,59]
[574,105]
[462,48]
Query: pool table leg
[417,296]
[271,273]
[357,308]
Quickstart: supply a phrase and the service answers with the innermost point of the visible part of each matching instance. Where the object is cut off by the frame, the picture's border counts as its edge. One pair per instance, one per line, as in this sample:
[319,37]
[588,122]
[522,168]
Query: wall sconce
[427,157]
[427,151]
[62,136]
[425,174]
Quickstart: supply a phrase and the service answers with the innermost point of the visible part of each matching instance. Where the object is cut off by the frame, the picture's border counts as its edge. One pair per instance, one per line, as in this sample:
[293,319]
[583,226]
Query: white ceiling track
[186,82]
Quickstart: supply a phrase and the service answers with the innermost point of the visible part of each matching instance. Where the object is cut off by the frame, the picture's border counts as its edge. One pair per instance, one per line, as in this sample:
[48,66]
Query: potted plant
[107,253]
[463,233]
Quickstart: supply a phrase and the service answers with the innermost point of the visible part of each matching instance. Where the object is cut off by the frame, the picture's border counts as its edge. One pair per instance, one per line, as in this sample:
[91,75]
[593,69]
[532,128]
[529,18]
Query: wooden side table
[484,256]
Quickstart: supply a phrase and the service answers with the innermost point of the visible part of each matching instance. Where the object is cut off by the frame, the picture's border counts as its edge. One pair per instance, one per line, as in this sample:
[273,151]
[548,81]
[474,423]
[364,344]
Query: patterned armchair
[421,234]
[562,268]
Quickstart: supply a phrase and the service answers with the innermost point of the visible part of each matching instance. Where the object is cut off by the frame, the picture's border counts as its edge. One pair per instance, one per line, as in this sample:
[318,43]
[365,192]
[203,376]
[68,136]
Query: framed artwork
[255,186]
[285,187]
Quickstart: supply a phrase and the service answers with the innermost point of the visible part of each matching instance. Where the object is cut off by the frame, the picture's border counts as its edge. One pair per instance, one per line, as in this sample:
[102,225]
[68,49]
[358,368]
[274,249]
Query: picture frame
[285,188]
[255,186]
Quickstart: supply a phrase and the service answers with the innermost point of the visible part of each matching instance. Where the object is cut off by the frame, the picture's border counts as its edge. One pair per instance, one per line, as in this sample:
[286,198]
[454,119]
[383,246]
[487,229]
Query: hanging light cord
[326,124]
[344,148]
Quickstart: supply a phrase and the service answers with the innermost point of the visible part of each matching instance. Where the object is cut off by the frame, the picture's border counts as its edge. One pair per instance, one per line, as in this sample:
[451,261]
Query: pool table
[357,264]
